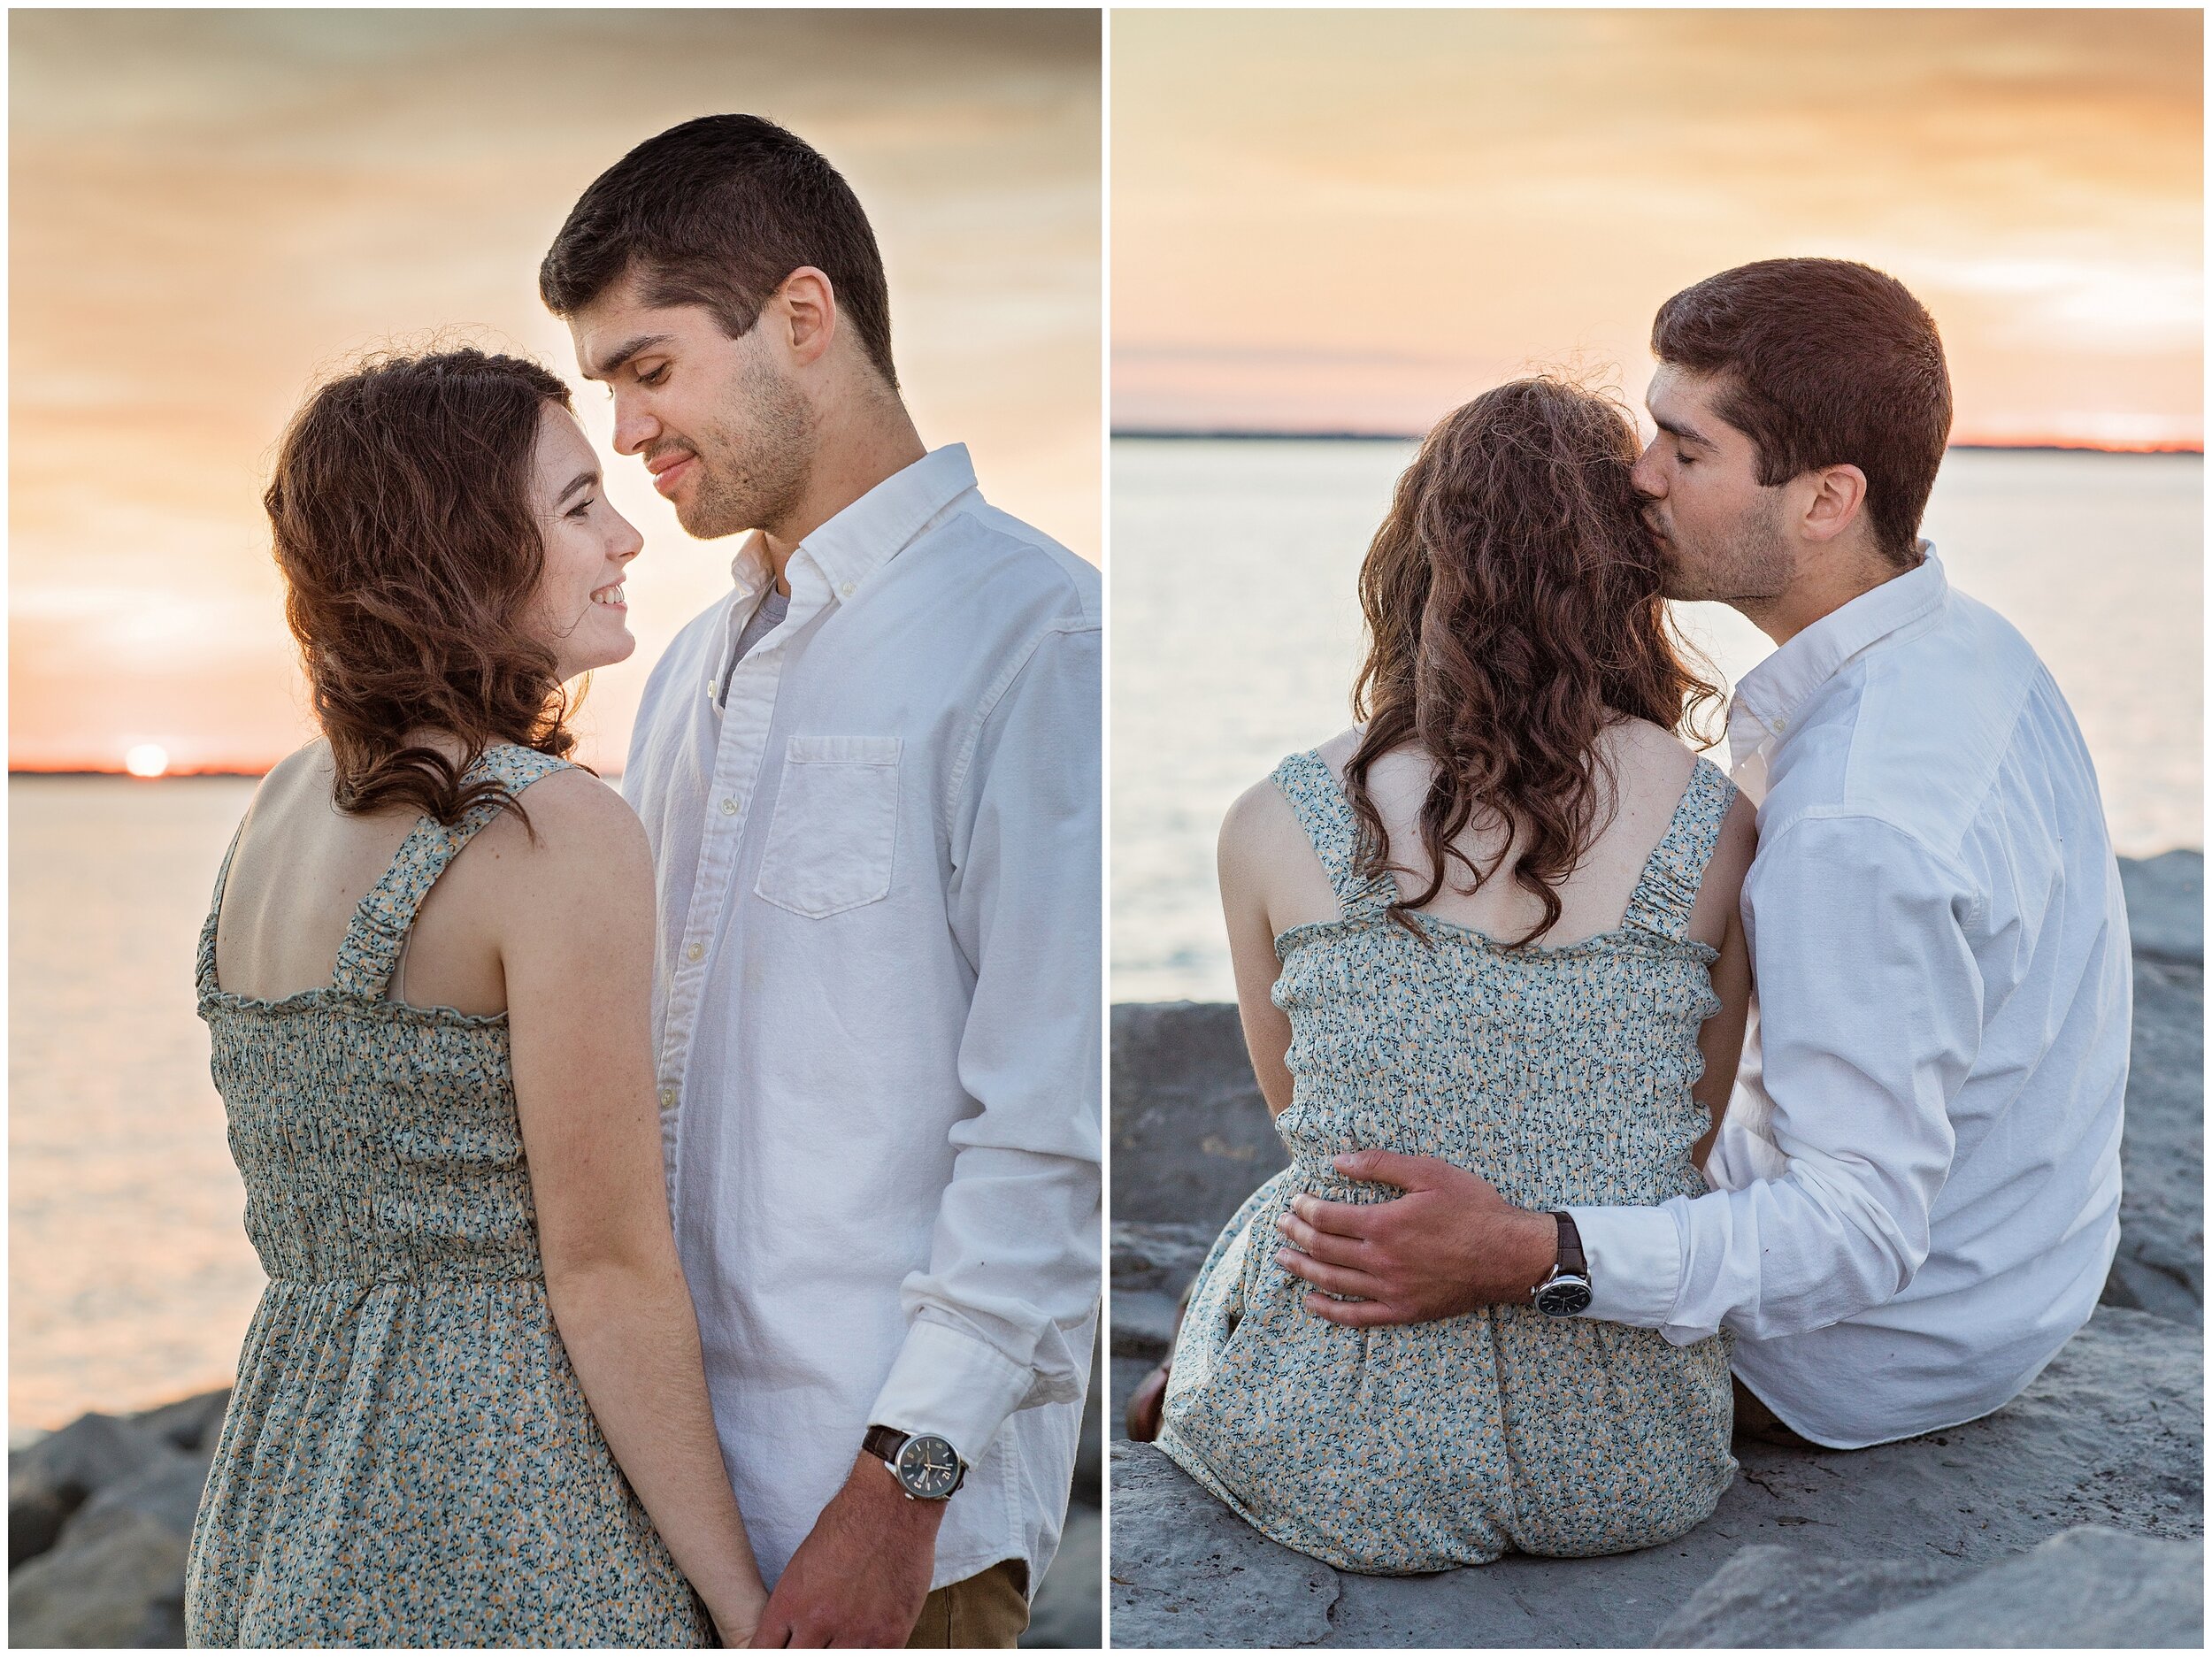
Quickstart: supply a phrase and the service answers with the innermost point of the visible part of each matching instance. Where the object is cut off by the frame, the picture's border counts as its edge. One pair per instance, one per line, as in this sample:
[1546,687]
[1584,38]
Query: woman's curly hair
[411,555]
[1514,611]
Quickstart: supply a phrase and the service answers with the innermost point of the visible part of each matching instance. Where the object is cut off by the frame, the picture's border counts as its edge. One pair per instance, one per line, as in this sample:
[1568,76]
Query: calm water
[130,1279]
[1236,635]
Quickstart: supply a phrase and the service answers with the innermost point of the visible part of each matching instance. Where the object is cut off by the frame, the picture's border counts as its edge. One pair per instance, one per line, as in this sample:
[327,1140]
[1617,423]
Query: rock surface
[1768,1595]
[2089,1587]
[2165,898]
[111,1585]
[1192,1138]
[2109,1435]
[99,1517]
[51,1479]
[1064,1613]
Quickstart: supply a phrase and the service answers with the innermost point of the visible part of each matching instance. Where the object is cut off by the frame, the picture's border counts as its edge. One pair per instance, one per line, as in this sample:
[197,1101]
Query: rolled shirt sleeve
[1003,1317]
[1870,1019]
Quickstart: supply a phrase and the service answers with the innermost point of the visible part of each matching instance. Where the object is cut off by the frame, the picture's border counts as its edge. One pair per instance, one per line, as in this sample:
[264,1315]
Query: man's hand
[861,1574]
[1449,1244]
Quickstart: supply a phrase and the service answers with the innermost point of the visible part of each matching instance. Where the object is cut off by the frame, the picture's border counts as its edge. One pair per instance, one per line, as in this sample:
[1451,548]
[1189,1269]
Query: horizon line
[1258,434]
[195,773]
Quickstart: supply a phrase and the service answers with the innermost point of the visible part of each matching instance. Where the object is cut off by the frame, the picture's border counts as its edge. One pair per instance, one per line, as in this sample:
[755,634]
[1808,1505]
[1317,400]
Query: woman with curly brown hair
[1495,925]
[470,1410]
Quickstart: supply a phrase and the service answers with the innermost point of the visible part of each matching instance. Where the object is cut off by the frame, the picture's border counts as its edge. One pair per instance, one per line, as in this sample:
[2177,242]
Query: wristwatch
[1567,1291]
[929,1469]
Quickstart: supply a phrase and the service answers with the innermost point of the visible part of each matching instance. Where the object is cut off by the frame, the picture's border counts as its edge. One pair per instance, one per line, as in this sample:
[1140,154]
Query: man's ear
[1835,504]
[805,308]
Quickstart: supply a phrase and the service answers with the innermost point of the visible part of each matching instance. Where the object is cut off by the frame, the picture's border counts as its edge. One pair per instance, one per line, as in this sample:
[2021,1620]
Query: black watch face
[1564,1298]
[927,1467]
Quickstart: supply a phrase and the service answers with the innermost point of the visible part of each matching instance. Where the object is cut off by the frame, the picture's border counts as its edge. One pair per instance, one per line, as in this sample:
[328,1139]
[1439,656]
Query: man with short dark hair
[870,779]
[1917,1176]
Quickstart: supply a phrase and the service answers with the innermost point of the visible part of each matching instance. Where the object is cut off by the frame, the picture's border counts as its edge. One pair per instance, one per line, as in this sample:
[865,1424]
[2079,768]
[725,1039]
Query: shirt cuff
[1635,1261]
[947,1382]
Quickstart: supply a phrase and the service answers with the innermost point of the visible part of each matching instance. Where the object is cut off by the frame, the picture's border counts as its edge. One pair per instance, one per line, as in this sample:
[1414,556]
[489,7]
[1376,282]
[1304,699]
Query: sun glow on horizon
[1353,221]
[148,759]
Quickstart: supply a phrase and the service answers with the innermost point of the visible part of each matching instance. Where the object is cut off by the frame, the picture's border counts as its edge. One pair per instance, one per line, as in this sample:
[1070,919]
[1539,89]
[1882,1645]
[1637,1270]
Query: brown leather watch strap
[1570,1259]
[884,1443]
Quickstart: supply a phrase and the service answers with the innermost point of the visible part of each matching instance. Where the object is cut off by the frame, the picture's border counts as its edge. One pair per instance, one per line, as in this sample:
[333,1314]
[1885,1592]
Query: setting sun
[148,759]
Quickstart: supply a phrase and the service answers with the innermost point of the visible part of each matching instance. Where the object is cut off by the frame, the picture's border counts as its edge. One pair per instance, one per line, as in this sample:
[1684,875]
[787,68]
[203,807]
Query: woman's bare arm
[1719,907]
[577,948]
[1251,836]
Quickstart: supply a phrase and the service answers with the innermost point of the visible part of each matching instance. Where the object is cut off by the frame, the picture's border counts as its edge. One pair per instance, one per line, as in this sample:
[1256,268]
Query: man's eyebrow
[582,479]
[630,348]
[1675,428]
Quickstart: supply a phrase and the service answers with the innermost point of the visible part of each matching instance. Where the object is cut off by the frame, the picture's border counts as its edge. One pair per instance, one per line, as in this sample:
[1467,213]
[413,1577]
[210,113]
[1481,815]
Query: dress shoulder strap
[204,969]
[1666,892]
[1318,799]
[383,917]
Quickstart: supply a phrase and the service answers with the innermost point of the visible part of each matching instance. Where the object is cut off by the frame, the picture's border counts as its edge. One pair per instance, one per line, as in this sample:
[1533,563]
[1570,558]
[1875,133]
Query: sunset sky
[209,210]
[1336,220]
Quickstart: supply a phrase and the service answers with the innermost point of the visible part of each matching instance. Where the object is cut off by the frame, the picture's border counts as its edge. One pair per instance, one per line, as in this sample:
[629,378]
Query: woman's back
[301,867]
[1640,780]
[1563,1074]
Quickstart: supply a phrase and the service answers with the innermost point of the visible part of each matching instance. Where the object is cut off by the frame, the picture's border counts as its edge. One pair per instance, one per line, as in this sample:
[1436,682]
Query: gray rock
[2160,1267]
[1064,1613]
[1144,1325]
[1150,1265]
[190,1423]
[50,1479]
[1192,1137]
[1089,1452]
[113,1584]
[1157,1256]
[2084,1587]
[167,1489]
[1188,1572]
[1771,1596]
[2165,898]
[2111,1434]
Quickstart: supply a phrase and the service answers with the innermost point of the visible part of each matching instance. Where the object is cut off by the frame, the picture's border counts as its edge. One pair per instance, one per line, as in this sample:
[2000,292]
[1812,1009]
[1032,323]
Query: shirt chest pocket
[836,826]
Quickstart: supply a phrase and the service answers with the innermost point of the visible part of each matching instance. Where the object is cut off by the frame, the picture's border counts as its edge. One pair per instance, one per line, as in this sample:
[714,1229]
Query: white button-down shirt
[1920,1168]
[877,1004]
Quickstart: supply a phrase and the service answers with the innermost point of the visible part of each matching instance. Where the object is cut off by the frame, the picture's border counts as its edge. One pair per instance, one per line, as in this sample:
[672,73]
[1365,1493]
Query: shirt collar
[1769,696]
[870,533]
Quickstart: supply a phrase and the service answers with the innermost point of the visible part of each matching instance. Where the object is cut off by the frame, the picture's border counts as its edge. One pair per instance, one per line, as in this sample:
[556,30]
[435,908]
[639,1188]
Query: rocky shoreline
[100,1515]
[2071,1517]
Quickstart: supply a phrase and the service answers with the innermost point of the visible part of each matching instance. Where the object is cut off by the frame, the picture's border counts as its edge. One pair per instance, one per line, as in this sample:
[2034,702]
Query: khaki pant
[989,1609]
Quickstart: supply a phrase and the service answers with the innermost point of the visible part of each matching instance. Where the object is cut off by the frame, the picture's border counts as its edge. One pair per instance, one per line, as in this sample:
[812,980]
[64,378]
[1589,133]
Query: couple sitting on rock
[1604,1073]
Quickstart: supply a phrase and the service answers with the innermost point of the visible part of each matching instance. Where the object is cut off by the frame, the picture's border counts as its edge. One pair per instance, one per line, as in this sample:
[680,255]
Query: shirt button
[694,952]
[845,590]
[668,1099]
[729,808]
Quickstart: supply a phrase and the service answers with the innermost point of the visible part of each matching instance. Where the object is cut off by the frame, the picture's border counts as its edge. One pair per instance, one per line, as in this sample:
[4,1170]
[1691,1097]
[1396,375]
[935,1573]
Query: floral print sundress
[1562,1076]
[408,1459]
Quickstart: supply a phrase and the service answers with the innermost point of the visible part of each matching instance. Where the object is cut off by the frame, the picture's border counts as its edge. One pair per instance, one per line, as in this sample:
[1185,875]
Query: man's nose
[1646,476]
[633,427]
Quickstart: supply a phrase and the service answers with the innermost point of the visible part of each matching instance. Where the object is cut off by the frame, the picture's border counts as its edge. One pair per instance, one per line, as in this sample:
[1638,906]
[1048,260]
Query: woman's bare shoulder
[1337,752]
[579,827]
[1262,814]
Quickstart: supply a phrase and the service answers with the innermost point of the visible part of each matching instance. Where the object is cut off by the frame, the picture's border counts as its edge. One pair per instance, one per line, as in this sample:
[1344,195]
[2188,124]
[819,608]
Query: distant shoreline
[1162,434]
